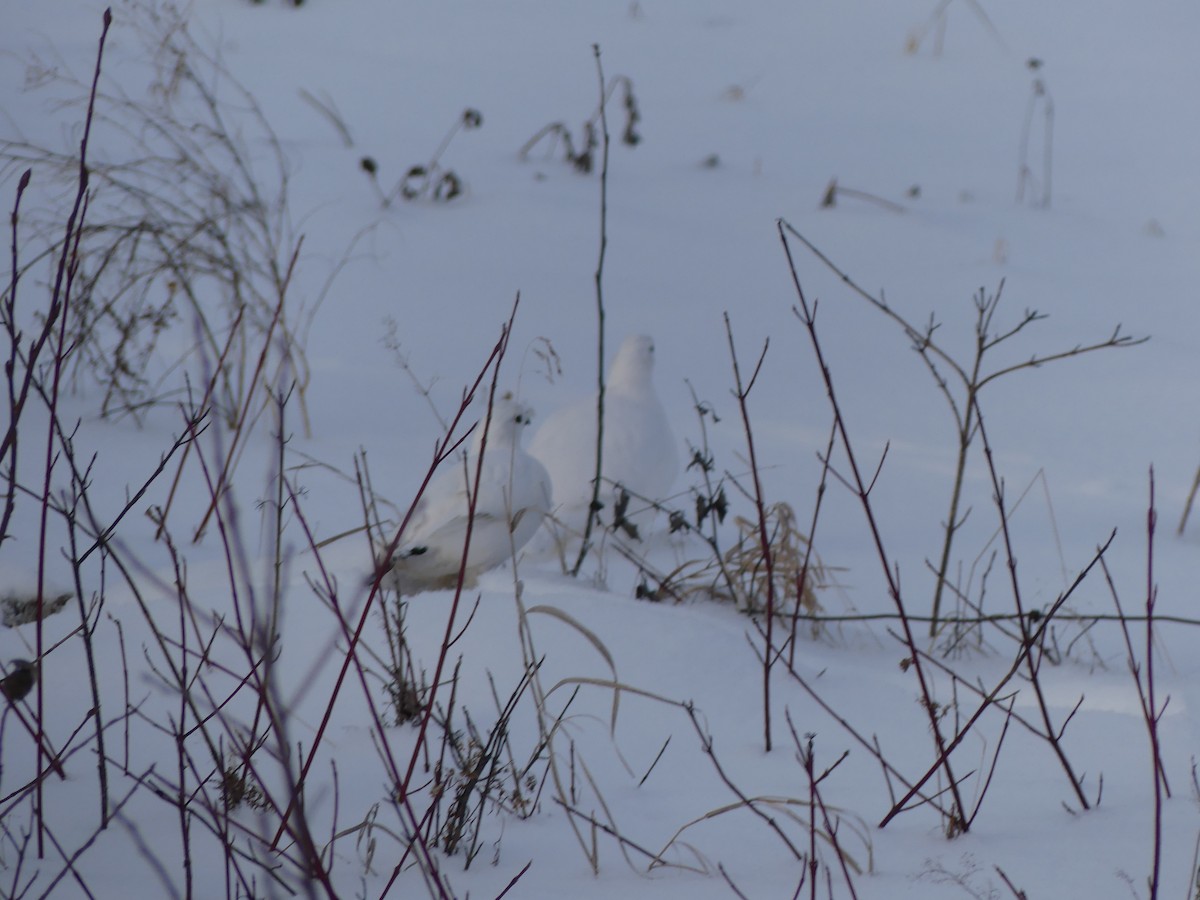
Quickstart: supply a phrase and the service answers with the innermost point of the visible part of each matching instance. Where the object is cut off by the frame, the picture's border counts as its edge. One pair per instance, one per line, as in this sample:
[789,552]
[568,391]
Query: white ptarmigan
[512,497]
[639,450]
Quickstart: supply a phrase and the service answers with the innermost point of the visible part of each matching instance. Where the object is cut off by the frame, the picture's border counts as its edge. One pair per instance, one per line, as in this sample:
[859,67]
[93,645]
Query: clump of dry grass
[798,571]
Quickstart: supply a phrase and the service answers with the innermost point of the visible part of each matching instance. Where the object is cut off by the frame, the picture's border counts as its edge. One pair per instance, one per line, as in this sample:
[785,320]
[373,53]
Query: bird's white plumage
[639,446]
[512,496]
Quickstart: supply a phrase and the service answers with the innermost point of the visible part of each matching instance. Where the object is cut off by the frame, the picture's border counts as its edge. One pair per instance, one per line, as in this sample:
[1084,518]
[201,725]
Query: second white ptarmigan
[639,449]
[513,495]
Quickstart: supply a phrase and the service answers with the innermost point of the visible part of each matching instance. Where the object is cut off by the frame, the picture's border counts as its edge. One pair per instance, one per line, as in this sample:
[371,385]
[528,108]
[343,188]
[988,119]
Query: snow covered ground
[748,111]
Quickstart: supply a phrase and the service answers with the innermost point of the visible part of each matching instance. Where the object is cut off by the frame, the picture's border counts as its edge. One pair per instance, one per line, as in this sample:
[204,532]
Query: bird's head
[634,362]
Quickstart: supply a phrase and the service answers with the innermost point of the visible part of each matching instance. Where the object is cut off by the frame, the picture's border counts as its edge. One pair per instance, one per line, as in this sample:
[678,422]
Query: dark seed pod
[19,681]
[448,187]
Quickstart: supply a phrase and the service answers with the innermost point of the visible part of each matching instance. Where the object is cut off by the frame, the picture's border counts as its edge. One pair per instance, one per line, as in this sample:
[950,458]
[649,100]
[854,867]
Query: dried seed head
[19,680]
[448,187]
[414,184]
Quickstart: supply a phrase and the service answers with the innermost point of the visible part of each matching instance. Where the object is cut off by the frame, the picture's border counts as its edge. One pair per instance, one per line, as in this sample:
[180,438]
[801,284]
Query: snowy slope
[748,111]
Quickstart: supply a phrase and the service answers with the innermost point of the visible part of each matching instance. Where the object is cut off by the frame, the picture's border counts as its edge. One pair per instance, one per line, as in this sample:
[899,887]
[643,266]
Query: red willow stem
[743,391]
[1150,704]
[444,449]
[1033,664]
[807,314]
[68,264]
[1146,693]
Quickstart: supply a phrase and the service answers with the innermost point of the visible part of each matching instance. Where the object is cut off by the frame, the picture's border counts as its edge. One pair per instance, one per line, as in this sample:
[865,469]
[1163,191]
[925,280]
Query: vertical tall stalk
[16,397]
[1150,703]
[593,510]
[68,265]
[764,540]
[1143,679]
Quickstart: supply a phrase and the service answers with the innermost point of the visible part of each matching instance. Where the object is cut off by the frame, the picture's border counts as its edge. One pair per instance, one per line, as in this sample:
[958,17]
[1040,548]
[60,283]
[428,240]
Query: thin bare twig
[594,504]
[741,393]
[957,821]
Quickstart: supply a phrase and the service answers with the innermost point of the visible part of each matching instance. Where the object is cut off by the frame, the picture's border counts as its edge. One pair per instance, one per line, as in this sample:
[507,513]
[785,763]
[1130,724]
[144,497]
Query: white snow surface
[749,108]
